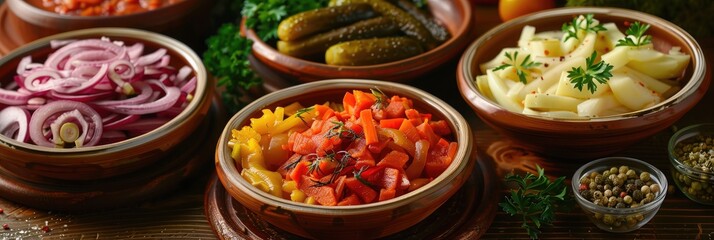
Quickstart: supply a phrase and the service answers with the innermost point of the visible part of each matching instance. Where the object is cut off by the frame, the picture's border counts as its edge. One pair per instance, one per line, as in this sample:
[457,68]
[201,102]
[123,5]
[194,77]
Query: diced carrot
[340,186]
[394,123]
[377,148]
[404,183]
[413,114]
[438,159]
[364,163]
[348,102]
[373,175]
[390,178]
[324,111]
[451,153]
[365,193]
[357,148]
[394,159]
[363,101]
[370,131]
[352,199]
[440,127]
[378,114]
[386,194]
[299,171]
[426,133]
[395,109]
[425,116]
[301,144]
[325,195]
[289,165]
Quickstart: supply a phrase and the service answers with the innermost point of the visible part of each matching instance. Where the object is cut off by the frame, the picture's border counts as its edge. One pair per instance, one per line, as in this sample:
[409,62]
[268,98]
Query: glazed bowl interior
[455,16]
[32,12]
[600,133]
[363,220]
[136,151]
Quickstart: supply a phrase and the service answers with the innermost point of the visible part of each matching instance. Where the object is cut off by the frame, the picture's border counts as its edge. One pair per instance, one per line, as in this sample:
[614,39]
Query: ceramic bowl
[158,19]
[588,138]
[32,162]
[456,16]
[367,221]
[692,166]
[620,219]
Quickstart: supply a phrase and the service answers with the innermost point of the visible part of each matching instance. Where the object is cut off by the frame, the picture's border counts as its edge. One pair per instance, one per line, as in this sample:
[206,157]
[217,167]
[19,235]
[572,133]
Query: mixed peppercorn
[619,187]
[697,154]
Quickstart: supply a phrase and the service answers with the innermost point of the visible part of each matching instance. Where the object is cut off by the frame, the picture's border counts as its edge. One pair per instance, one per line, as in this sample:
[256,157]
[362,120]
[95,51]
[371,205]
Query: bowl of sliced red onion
[98,103]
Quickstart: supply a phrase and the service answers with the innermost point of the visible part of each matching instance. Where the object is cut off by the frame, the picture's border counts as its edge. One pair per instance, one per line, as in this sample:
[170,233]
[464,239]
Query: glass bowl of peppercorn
[691,152]
[619,194]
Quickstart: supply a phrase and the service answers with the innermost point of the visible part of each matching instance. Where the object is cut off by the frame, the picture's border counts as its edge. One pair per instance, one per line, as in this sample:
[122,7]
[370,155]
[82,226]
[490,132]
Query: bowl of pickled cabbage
[583,82]
[354,157]
[371,39]
[97,103]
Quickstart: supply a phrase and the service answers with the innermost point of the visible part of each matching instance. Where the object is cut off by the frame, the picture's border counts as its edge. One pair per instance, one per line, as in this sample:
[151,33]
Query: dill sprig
[302,111]
[637,31]
[341,131]
[521,68]
[601,72]
[535,200]
[571,29]
[381,101]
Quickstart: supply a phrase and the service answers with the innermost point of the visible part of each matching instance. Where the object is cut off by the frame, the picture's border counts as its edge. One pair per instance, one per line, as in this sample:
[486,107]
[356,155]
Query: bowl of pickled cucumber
[583,82]
[393,40]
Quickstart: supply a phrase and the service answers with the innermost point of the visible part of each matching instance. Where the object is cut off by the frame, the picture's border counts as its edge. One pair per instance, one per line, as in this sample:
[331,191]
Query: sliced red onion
[134,51]
[112,137]
[54,44]
[189,86]
[80,97]
[22,66]
[9,97]
[85,84]
[144,95]
[161,104]
[150,58]
[14,123]
[120,122]
[77,112]
[40,81]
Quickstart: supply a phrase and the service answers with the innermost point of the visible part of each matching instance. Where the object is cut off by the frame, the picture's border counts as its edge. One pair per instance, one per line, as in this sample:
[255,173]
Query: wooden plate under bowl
[466,215]
[124,190]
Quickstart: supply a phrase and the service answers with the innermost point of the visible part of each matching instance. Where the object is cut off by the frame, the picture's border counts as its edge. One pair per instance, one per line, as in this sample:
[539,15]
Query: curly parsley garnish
[226,57]
[636,31]
[535,200]
[571,29]
[601,72]
[521,68]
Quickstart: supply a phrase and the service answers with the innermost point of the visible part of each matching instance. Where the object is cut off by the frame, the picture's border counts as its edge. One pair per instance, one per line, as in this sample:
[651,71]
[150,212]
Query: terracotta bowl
[588,138]
[456,16]
[366,221]
[32,162]
[157,19]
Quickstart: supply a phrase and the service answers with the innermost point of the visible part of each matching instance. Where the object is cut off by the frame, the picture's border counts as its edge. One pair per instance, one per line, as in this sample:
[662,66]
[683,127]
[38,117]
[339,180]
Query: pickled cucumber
[318,44]
[372,51]
[439,32]
[407,23]
[319,20]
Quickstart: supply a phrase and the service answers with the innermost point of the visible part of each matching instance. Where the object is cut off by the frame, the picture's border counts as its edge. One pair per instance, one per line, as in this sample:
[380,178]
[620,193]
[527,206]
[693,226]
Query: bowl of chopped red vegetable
[72,15]
[98,103]
[376,39]
[352,158]
[583,82]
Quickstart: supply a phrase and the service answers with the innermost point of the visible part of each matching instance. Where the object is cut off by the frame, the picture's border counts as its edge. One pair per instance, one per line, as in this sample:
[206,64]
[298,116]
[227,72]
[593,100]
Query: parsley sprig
[600,72]
[535,200]
[226,57]
[572,28]
[521,68]
[636,31]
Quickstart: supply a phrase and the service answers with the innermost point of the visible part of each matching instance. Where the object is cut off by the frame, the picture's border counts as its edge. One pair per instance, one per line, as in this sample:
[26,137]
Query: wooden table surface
[180,215]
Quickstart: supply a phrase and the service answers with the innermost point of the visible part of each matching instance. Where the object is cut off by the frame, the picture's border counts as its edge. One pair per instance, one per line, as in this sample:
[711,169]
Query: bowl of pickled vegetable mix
[691,152]
[619,194]
[98,103]
[375,39]
[345,157]
[583,82]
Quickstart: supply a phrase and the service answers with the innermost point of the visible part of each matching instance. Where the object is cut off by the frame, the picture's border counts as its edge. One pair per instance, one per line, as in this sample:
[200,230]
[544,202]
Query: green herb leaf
[521,68]
[636,31]
[572,28]
[226,57]
[600,72]
[535,200]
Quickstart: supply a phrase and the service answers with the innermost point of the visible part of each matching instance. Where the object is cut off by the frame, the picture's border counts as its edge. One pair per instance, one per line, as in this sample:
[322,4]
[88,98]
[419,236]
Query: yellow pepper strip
[399,138]
[244,134]
[295,120]
[252,155]
[279,115]
[267,181]
[235,152]
[264,123]
[289,186]
[292,108]
[297,196]
[310,200]
[417,166]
